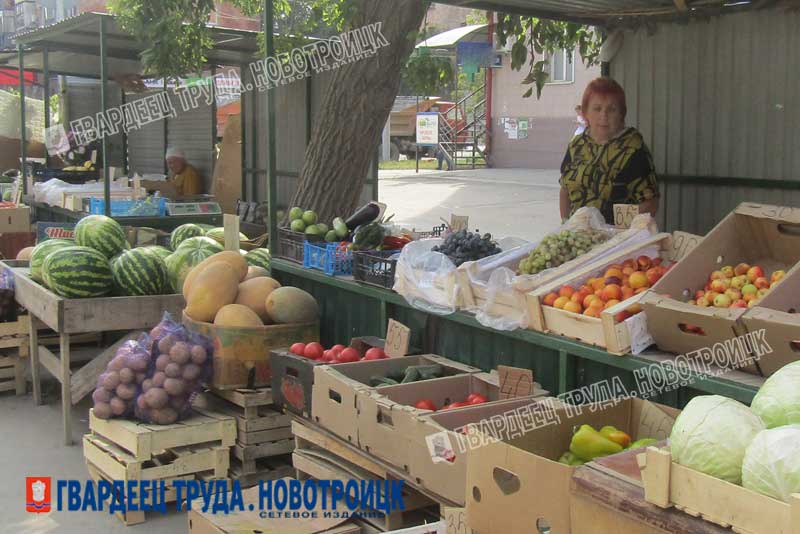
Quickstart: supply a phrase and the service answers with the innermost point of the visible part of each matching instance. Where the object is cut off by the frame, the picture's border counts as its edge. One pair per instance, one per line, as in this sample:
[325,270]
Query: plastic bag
[120,385]
[427,279]
[181,362]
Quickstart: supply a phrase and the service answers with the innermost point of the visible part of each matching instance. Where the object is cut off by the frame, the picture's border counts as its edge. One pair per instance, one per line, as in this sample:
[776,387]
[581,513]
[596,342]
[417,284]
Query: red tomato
[314,351]
[298,349]
[455,405]
[375,353]
[348,355]
[337,349]
[328,357]
[425,404]
[476,398]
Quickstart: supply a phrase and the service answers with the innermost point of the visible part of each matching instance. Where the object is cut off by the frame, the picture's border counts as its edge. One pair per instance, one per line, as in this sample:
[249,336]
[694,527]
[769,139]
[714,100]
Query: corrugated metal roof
[610,12]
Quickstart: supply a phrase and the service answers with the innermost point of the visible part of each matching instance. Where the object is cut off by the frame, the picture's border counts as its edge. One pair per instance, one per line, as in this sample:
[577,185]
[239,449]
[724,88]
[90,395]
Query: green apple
[295,213]
[309,217]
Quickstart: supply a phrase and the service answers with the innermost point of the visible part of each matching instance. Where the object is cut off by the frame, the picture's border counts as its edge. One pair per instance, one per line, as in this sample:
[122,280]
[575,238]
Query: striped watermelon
[206,227]
[161,252]
[77,272]
[184,232]
[259,257]
[40,253]
[189,253]
[218,234]
[139,272]
[101,233]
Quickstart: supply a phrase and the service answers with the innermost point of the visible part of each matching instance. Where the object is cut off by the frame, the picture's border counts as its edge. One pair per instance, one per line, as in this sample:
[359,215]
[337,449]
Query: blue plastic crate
[329,258]
[152,207]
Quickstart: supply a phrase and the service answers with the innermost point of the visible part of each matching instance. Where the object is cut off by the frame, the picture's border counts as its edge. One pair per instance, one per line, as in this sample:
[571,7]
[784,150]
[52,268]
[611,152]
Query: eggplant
[365,215]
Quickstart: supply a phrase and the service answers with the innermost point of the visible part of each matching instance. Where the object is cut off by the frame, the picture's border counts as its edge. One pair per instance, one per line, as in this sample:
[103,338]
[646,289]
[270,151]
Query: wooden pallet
[323,457]
[106,460]
[12,374]
[142,440]
[271,468]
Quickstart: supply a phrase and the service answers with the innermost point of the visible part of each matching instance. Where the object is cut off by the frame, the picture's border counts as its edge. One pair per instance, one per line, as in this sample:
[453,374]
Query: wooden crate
[324,458]
[14,334]
[12,374]
[270,468]
[667,484]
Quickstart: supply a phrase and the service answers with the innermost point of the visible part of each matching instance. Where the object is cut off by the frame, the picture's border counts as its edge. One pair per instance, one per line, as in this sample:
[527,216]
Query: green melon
[184,232]
[190,253]
[101,233]
[40,253]
[259,257]
[139,272]
[78,272]
[218,234]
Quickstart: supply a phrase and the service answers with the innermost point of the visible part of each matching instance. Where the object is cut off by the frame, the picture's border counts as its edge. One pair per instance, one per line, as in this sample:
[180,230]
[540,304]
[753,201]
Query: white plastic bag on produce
[427,280]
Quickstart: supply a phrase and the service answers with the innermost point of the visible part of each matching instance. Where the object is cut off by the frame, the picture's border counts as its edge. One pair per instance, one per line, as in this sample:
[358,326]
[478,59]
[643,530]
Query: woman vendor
[608,163]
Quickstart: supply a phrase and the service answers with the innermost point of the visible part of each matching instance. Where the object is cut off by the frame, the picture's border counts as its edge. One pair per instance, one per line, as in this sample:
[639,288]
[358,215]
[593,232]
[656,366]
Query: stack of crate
[195,448]
[13,349]
[264,441]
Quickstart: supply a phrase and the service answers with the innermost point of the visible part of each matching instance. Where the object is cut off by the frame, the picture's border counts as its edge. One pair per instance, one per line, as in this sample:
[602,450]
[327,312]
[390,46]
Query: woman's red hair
[604,87]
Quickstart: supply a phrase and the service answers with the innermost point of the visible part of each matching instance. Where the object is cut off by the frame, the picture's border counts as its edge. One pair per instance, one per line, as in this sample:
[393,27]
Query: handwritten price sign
[515,382]
[397,339]
[682,243]
[624,214]
[459,222]
[456,521]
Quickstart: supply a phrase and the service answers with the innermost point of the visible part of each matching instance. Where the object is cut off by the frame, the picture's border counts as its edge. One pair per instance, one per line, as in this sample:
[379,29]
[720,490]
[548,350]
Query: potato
[156,398]
[162,362]
[118,406]
[165,416]
[158,379]
[191,372]
[199,354]
[139,363]
[141,403]
[126,376]
[173,370]
[116,364]
[166,343]
[180,353]
[111,380]
[101,395]
[102,410]
[178,403]
[140,377]
[174,386]
[147,383]
[126,391]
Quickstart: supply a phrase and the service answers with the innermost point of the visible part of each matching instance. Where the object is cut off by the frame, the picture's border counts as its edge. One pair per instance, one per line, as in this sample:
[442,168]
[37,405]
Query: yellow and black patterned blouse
[618,172]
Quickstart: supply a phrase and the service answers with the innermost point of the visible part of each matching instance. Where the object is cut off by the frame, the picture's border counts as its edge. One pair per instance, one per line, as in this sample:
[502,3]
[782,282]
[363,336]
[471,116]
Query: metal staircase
[462,131]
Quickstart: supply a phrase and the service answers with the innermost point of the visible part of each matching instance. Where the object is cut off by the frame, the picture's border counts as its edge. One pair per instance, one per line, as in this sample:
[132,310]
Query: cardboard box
[443,470]
[515,486]
[776,314]
[335,387]
[756,234]
[15,220]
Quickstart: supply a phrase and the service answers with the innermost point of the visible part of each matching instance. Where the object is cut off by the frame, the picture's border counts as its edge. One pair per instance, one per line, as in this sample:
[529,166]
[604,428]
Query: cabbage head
[711,435]
[772,463]
[777,403]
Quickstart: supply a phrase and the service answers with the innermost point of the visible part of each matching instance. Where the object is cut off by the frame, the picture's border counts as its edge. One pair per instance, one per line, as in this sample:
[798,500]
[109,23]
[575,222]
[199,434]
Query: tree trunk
[348,129]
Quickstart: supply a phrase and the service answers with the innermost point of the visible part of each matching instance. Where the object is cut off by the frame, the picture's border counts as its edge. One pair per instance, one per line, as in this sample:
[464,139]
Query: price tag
[459,222]
[193,208]
[456,520]
[397,339]
[624,214]
[515,382]
[681,244]
[231,226]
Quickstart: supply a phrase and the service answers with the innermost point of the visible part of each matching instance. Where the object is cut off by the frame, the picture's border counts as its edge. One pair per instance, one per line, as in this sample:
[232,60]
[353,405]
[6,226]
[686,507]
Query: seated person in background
[182,176]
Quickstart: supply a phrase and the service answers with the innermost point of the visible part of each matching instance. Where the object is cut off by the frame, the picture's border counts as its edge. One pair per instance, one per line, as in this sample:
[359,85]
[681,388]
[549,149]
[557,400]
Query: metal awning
[611,13]
[74,47]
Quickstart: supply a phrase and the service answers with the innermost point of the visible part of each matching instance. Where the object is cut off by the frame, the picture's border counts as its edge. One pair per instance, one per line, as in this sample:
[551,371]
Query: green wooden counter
[46,213]
[560,364]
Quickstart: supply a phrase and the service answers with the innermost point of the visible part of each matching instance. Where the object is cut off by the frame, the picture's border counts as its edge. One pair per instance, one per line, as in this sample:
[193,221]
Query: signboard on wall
[427,129]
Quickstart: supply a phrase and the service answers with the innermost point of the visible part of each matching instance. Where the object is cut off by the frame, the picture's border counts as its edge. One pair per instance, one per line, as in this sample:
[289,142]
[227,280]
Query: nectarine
[644,262]
[627,292]
[612,291]
[587,301]
[612,302]
[654,274]
[621,316]
[573,307]
[560,302]
[549,299]
[637,280]
[566,291]
[615,273]
[592,312]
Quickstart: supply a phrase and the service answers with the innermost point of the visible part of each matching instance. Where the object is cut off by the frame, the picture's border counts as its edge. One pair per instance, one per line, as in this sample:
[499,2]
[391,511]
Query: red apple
[777,275]
[741,269]
[722,301]
[727,271]
[717,275]
[740,303]
[754,272]
[761,283]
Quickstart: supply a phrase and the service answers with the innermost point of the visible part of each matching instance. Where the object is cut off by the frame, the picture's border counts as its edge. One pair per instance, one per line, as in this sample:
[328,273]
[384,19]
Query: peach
[627,271]
[597,304]
[644,262]
[615,273]
[549,299]
[592,312]
[633,309]
[588,300]
[621,316]
[598,283]
[630,263]
[754,272]
[638,279]
[566,291]
[612,302]
[749,297]
[654,274]
[573,307]
[612,292]
[627,292]
[761,283]
[560,302]
[741,269]
[728,271]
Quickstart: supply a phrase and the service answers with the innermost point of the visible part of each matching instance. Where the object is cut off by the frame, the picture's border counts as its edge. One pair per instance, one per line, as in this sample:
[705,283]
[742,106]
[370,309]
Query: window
[561,65]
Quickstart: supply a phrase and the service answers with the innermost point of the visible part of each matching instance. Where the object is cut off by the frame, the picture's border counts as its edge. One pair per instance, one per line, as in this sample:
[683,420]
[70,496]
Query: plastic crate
[375,267]
[291,244]
[130,208]
[330,258]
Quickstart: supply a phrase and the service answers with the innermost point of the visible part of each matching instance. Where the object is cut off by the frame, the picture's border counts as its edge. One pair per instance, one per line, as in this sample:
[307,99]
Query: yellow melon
[254,272]
[25,254]
[287,305]
[215,287]
[231,258]
[237,315]
[253,293]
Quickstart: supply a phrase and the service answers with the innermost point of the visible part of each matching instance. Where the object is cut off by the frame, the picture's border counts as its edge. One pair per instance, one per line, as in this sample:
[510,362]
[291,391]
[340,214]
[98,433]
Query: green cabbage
[777,403]
[711,435]
[772,463]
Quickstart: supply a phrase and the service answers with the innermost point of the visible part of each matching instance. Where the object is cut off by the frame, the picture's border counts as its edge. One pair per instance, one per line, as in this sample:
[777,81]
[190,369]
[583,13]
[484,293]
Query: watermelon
[184,232]
[206,227]
[161,252]
[189,253]
[259,257]
[139,272]
[218,234]
[40,253]
[77,272]
[101,233]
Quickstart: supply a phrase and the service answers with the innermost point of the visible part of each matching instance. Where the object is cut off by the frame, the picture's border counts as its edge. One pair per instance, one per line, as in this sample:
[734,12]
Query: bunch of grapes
[559,248]
[463,246]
